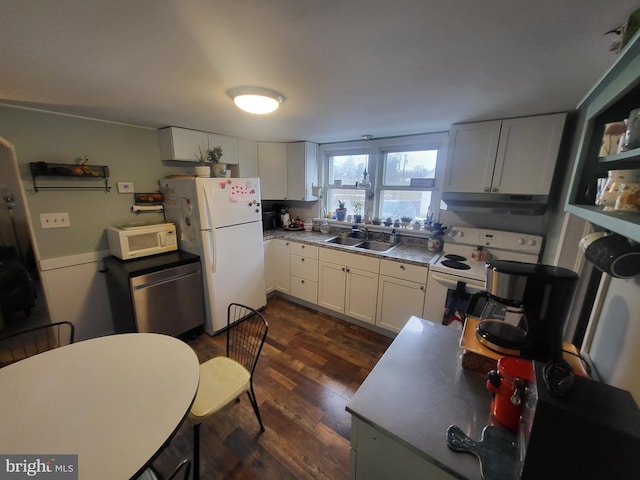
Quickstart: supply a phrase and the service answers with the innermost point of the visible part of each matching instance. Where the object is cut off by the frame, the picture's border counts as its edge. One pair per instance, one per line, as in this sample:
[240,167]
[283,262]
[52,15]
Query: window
[408,177]
[345,173]
[402,171]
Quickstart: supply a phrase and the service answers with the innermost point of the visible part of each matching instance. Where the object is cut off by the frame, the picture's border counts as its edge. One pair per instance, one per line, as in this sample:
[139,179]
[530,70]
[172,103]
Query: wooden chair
[151,473]
[23,344]
[224,379]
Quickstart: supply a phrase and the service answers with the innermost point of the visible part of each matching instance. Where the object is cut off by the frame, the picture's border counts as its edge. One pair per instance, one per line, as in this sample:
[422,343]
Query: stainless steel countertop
[403,252]
[418,389]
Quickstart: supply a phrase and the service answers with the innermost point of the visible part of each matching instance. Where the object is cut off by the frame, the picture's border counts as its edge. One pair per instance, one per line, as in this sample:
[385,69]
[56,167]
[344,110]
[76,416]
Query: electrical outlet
[55,220]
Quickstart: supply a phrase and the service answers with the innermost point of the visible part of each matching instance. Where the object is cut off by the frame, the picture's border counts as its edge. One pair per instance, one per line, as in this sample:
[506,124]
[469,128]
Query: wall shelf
[66,176]
[611,100]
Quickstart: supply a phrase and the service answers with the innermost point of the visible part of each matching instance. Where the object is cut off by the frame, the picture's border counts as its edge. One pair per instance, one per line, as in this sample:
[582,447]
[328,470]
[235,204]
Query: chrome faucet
[365,231]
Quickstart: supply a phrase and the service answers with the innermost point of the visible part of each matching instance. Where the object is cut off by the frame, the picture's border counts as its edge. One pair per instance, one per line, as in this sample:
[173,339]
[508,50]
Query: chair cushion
[222,380]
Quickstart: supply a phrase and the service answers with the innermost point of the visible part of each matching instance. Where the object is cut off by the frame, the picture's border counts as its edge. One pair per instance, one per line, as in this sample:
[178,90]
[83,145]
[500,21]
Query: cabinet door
[269,266]
[304,289]
[331,286]
[182,144]
[361,294]
[282,275]
[272,167]
[527,154]
[472,156]
[247,158]
[302,170]
[398,300]
[229,147]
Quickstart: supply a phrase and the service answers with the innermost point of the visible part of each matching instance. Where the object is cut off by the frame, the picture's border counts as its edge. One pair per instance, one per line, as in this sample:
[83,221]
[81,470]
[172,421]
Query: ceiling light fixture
[256,99]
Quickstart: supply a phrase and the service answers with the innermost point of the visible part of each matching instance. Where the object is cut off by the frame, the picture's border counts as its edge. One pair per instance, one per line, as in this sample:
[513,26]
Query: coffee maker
[532,302]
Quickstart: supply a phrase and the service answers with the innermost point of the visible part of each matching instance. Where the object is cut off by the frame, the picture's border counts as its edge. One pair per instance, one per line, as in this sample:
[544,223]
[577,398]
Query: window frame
[377,150]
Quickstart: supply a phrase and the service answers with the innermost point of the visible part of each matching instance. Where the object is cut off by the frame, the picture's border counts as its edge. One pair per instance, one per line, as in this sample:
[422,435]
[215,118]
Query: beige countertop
[408,250]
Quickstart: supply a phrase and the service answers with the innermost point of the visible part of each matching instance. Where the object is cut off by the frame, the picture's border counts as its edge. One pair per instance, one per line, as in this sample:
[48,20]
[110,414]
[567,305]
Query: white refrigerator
[220,220]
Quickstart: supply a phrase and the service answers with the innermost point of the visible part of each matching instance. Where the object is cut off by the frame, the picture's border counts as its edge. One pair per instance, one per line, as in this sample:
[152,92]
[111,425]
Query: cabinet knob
[302,259]
[495,189]
[301,281]
[402,267]
[422,287]
[487,189]
[347,270]
[344,269]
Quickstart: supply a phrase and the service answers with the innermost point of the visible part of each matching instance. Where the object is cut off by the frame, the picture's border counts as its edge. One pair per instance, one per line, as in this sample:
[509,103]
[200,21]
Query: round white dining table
[114,401]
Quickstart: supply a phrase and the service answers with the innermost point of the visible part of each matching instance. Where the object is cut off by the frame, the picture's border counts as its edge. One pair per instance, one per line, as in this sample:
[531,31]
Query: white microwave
[135,241]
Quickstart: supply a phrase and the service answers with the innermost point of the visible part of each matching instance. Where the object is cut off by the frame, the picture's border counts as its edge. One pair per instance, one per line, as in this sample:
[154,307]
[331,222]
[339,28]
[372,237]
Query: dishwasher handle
[141,282]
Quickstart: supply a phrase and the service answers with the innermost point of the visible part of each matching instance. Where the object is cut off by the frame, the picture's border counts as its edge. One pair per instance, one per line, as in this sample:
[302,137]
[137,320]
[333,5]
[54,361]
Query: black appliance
[269,220]
[545,294]
[156,294]
[591,432]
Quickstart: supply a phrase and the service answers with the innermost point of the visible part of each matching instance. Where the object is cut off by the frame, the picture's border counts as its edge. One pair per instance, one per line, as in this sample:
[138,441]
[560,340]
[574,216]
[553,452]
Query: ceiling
[346,67]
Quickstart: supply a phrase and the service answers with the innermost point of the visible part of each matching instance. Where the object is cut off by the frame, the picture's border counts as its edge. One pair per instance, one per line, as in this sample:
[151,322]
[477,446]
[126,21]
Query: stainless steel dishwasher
[159,294]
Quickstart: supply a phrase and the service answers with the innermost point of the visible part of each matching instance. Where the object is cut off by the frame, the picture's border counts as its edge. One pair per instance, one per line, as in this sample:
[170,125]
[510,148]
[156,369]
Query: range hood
[495,203]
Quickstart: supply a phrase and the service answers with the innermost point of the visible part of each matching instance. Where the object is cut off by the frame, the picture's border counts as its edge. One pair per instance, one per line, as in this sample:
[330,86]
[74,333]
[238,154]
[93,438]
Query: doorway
[22,302]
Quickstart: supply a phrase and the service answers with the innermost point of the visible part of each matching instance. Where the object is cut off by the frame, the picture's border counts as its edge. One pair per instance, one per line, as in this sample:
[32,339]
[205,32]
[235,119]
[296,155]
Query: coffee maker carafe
[535,299]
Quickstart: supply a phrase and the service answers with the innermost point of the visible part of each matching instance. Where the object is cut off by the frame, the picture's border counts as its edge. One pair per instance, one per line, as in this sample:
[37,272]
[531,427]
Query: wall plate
[125,187]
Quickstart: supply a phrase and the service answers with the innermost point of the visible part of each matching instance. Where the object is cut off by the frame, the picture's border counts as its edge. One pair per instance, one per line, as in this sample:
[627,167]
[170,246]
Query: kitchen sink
[375,245]
[348,241]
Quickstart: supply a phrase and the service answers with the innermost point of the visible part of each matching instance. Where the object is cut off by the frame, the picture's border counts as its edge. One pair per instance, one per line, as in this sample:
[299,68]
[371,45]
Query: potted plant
[202,170]
[405,221]
[416,224]
[357,209]
[213,156]
[396,223]
[376,221]
[341,211]
[388,222]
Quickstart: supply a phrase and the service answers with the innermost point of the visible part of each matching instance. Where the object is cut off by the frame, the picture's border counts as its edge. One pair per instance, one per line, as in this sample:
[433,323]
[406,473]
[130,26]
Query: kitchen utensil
[508,384]
[496,451]
[612,254]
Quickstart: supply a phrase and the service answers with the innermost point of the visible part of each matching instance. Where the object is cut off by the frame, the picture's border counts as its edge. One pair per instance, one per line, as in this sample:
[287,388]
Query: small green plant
[357,207]
[212,155]
[341,204]
[406,219]
[416,222]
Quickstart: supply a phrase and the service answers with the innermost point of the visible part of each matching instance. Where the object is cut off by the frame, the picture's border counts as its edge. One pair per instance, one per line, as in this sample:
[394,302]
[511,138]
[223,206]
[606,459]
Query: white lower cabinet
[269,266]
[303,266]
[401,293]
[282,275]
[348,283]
[377,456]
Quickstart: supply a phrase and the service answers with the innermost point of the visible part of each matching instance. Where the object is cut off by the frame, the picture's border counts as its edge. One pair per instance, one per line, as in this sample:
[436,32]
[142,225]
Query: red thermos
[507,384]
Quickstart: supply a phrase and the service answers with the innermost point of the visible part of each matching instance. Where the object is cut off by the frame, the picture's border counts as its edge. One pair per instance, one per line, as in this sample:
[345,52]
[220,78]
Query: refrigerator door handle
[209,248]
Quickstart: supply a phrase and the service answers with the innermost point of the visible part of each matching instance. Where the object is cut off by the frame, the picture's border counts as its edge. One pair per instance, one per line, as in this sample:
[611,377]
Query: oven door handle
[452,284]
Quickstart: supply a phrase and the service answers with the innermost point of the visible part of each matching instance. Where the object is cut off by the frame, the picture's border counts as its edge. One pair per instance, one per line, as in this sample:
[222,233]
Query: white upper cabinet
[247,158]
[513,156]
[185,145]
[182,144]
[287,170]
[272,167]
[302,170]
[229,147]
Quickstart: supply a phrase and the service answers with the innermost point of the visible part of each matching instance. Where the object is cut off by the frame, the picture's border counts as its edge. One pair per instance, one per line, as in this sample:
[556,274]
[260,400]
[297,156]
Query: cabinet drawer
[352,260]
[304,267]
[304,250]
[304,289]
[404,271]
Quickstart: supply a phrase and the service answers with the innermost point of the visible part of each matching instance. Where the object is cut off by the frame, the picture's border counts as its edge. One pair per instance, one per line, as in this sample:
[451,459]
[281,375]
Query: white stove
[455,275]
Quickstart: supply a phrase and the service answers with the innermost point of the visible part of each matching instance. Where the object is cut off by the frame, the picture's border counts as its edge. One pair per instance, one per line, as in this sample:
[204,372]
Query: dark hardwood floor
[310,367]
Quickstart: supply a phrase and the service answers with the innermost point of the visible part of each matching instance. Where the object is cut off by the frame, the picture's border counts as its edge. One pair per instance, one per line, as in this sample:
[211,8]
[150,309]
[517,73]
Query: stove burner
[455,265]
[457,258]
